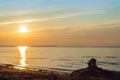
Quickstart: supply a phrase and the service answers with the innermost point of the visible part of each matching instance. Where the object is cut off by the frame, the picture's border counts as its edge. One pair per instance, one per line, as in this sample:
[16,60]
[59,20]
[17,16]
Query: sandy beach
[9,72]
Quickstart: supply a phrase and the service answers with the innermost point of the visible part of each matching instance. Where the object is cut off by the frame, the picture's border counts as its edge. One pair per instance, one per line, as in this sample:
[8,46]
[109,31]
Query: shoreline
[35,68]
[10,72]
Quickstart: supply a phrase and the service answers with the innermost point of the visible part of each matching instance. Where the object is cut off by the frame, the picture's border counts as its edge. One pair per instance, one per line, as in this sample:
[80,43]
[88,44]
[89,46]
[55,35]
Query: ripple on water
[100,62]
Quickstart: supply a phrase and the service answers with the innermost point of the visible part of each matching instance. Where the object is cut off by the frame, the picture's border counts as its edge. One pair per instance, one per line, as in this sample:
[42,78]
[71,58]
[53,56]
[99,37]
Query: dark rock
[92,63]
[96,74]
[92,72]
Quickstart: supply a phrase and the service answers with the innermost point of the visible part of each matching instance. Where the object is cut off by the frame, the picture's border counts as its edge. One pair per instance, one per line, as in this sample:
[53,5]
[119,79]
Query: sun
[23,29]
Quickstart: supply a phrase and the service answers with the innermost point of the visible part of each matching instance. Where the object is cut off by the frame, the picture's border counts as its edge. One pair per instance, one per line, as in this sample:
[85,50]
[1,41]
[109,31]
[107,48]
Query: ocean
[63,59]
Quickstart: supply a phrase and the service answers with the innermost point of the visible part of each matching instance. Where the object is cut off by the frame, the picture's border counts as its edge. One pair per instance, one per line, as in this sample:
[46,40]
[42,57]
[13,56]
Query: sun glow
[22,50]
[23,29]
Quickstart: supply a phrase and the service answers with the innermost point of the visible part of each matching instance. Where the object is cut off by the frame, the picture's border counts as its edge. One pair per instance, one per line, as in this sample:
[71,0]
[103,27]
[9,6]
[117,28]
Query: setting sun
[23,29]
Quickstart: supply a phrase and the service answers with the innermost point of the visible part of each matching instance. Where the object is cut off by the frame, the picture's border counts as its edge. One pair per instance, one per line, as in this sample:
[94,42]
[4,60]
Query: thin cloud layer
[54,18]
[110,25]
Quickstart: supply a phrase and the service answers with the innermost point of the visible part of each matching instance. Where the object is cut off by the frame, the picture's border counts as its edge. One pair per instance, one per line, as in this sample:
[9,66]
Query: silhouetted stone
[92,63]
[92,72]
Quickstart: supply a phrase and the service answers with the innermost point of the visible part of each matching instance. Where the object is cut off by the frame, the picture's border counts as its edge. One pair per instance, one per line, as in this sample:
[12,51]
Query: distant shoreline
[68,46]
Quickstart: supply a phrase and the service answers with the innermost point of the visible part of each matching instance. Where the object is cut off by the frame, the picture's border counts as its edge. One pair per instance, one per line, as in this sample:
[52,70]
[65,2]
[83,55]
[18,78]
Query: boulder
[93,72]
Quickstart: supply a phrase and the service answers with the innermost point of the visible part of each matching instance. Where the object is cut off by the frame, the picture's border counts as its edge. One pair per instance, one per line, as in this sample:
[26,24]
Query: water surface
[62,58]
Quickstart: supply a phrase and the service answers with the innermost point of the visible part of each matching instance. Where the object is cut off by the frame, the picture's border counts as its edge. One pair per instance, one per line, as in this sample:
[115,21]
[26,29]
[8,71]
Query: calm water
[61,58]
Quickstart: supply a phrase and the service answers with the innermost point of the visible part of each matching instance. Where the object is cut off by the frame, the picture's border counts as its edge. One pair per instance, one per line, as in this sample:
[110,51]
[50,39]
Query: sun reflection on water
[22,50]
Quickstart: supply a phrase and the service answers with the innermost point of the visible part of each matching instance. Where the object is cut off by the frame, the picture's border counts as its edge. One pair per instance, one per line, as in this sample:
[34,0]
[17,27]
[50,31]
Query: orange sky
[60,23]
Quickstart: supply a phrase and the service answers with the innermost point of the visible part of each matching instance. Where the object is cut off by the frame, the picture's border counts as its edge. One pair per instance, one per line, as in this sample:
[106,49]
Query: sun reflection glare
[22,50]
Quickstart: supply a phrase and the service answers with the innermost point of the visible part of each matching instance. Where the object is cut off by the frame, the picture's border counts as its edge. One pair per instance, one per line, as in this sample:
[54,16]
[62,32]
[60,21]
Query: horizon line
[61,46]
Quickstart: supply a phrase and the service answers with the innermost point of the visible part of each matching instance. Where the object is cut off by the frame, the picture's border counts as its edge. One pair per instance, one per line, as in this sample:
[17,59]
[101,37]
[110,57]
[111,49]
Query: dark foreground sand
[7,72]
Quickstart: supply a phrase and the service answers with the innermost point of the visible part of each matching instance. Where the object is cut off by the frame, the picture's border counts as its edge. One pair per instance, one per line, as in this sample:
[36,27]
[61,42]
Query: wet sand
[9,72]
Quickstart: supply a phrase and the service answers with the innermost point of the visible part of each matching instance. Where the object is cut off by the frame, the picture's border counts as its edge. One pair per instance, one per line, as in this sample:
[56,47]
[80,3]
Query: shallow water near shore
[64,59]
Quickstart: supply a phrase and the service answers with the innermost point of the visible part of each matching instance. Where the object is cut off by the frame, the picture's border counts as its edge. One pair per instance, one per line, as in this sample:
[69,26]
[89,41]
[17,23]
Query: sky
[60,22]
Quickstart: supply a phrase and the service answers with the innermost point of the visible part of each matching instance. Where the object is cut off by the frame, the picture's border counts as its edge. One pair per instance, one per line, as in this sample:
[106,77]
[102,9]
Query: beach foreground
[7,72]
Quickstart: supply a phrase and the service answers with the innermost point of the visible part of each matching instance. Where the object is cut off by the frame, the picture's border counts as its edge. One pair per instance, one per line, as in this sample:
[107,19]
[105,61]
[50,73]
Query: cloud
[54,18]
[113,26]
[109,25]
